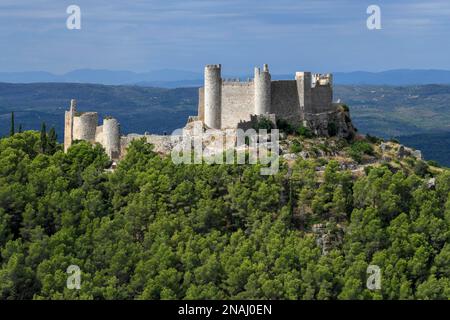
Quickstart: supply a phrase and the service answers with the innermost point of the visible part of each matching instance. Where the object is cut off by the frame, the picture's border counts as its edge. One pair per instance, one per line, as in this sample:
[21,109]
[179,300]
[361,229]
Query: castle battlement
[323,79]
[213,66]
[237,83]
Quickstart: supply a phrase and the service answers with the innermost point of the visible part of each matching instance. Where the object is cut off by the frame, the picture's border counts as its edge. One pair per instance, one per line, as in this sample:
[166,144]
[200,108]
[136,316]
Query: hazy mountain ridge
[170,78]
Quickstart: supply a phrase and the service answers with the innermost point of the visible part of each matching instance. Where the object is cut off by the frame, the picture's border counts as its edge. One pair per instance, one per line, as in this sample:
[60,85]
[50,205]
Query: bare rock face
[401,153]
[290,156]
[431,183]
[337,123]
[408,152]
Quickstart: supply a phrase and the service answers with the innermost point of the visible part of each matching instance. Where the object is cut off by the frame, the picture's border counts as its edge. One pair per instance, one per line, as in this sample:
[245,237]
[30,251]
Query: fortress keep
[306,100]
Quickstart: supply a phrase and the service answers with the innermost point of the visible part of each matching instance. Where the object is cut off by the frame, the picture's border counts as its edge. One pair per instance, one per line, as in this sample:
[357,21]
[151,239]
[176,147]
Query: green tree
[43,139]
[52,142]
[12,125]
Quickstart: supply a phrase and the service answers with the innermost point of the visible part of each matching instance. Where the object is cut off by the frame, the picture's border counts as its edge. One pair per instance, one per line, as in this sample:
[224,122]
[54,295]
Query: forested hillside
[155,230]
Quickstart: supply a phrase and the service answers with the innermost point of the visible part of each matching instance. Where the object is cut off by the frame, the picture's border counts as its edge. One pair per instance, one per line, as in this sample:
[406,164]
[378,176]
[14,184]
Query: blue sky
[317,35]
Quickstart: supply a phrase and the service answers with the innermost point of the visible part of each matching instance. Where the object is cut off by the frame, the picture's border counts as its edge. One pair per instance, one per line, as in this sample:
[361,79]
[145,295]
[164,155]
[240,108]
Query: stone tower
[262,90]
[85,126]
[213,96]
[304,87]
[68,124]
[111,137]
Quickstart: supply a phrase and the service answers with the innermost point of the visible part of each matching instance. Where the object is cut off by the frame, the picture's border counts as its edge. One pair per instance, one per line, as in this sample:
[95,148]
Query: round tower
[213,96]
[85,126]
[111,137]
[263,82]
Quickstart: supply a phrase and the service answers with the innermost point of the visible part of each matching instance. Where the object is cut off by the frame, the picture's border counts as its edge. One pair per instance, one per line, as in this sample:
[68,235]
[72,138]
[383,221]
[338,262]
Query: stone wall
[67,130]
[285,100]
[162,144]
[321,99]
[237,102]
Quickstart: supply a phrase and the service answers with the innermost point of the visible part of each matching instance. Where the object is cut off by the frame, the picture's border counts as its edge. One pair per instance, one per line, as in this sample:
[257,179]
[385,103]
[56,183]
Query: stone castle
[306,100]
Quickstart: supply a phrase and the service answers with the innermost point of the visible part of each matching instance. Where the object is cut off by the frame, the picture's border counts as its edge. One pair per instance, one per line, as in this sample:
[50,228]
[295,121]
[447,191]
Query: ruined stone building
[84,126]
[306,100]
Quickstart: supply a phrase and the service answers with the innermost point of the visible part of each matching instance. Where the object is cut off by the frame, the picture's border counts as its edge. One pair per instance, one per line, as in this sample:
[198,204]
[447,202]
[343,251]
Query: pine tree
[20,128]
[52,141]
[11,131]
[44,142]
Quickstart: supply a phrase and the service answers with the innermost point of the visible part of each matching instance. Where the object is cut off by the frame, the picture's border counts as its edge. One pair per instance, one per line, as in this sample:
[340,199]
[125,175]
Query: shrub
[285,126]
[296,146]
[363,147]
[332,129]
[410,161]
[373,139]
[421,168]
[264,123]
[304,132]
[355,155]
[358,149]
[433,163]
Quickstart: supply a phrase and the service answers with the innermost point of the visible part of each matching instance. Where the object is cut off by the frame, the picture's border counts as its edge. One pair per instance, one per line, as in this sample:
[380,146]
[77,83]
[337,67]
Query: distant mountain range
[106,77]
[168,78]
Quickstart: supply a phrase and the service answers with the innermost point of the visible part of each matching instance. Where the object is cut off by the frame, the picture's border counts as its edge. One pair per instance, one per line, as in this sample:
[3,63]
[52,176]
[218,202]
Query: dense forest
[151,229]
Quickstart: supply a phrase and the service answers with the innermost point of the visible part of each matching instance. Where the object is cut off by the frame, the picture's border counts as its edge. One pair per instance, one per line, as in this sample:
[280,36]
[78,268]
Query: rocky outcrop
[336,123]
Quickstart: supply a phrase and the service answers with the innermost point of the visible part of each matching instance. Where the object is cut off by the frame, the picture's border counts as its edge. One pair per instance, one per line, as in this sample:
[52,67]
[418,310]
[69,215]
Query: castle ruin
[306,100]
[84,126]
